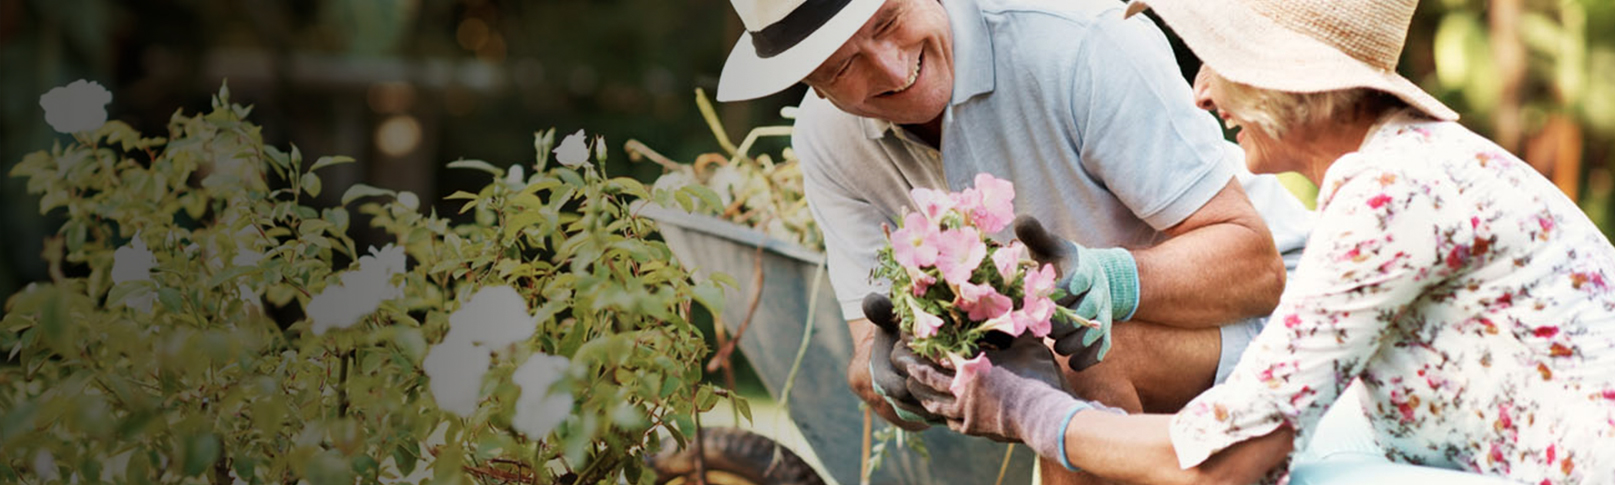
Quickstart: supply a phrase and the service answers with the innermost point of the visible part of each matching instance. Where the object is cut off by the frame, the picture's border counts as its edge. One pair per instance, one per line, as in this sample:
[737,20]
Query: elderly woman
[1470,297]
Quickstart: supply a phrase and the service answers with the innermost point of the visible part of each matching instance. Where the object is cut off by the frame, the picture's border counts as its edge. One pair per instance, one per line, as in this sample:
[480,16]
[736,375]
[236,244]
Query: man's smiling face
[898,67]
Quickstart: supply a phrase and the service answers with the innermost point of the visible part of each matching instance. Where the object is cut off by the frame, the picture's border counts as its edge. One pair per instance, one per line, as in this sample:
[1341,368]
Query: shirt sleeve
[1139,130]
[1379,244]
[850,223]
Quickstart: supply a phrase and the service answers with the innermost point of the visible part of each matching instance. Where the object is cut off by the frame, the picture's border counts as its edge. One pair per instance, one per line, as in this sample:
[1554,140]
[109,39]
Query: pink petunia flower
[1040,281]
[925,324]
[914,245]
[1008,259]
[932,203]
[1010,323]
[959,252]
[967,370]
[1035,313]
[983,302]
[966,201]
[919,280]
[996,206]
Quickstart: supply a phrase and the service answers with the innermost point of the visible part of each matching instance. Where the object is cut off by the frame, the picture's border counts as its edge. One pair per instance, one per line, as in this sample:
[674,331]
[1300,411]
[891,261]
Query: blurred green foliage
[478,75]
[210,362]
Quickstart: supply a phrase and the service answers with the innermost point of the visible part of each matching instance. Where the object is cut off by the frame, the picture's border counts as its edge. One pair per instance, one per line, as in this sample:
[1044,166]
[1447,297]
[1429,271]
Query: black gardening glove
[888,370]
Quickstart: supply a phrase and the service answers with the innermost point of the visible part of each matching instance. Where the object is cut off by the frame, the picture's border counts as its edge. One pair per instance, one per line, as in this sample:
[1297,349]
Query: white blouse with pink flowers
[1470,295]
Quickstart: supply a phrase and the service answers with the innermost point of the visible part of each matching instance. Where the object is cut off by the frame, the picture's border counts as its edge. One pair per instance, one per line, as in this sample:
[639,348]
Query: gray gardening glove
[1101,286]
[888,376]
[1019,399]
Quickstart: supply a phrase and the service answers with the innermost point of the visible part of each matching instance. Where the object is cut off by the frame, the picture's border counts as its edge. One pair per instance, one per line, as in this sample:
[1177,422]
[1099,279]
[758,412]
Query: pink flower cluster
[946,242]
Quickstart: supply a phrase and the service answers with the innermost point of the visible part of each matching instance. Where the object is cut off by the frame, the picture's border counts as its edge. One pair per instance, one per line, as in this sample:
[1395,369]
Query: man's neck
[929,132]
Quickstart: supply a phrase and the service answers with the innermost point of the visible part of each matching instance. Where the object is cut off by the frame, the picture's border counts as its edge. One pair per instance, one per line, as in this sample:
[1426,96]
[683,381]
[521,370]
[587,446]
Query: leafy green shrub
[205,322]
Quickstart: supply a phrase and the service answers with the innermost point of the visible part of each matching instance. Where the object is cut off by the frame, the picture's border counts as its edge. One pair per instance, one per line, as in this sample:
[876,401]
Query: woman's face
[1263,152]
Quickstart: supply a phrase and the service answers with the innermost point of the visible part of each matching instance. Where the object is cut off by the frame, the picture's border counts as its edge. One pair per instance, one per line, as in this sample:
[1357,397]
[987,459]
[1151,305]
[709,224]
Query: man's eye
[842,71]
[886,27]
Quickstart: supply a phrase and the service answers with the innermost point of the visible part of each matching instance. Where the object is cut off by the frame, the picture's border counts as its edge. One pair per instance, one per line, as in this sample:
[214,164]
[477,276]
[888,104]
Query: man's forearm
[1217,267]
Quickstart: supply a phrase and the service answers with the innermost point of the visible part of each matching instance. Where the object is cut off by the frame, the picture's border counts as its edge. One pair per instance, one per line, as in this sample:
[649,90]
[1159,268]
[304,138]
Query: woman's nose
[1202,89]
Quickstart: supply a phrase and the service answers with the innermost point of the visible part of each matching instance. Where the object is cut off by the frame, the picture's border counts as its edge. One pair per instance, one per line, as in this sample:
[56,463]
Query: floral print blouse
[1469,294]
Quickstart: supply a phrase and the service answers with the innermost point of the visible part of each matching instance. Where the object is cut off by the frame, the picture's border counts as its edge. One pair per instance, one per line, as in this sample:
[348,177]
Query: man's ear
[816,92]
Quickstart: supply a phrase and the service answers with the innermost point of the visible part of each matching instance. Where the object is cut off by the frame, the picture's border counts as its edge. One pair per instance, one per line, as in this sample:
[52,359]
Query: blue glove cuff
[1065,459]
[1081,406]
[1121,272]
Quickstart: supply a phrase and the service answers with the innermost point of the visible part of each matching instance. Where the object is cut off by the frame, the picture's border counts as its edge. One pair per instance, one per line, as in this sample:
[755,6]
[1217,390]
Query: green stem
[807,337]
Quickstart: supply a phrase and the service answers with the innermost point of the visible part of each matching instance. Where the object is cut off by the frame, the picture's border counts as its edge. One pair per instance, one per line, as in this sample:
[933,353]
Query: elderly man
[1149,211]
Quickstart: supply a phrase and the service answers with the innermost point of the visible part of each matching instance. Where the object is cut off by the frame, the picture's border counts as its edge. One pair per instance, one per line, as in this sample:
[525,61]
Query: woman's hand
[1018,397]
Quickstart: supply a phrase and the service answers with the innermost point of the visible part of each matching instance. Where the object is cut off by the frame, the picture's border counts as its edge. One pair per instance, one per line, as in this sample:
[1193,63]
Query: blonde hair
[1277,112]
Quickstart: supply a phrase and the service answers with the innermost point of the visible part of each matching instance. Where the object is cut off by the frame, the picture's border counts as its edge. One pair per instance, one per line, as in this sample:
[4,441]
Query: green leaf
[685,201]
[405,455]
[461,194]
[723,279]
[362,190]
[710,296]
[297,158]
[243,465]
[228,274]
[706,195]
[311,184]
[477,165]
[741,404]
[201,450]
[329,161]
[171,299]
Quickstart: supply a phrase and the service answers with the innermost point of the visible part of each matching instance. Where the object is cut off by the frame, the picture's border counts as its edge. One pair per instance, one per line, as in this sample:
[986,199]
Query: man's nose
[1202,89]
[892,67]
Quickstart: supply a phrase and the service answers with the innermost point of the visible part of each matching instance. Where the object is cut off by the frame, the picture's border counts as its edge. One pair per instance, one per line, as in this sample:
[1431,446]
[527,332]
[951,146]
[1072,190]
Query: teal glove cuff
[1122,273]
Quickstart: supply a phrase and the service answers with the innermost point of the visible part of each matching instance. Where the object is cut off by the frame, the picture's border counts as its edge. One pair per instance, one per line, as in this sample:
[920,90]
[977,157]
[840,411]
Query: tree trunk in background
[1510,56]
[1556,151]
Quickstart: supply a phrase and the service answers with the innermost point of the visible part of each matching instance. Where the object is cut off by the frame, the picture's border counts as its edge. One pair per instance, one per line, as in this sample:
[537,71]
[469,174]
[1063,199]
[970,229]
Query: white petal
[44,465]
[409,200]
[133,262]
[515,175]
[80,106]
[456,369]
[538,410]
[334,308]
[573,151]
[495,317]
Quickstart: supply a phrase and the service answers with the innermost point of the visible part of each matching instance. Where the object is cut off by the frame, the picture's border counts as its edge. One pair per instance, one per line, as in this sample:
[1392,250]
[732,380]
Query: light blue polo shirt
[1085,112]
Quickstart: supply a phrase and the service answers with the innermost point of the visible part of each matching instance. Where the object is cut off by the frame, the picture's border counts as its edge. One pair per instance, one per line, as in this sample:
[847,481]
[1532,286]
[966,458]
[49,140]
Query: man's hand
[889,372]
[1020,398]
[1101,285]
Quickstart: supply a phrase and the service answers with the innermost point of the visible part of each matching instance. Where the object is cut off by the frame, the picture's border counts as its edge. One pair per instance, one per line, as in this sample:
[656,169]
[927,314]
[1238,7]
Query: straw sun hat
[785,40]
[1300,45]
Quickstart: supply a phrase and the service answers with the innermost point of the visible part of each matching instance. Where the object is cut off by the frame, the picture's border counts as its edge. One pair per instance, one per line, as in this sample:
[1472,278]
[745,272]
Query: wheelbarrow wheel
[735,457]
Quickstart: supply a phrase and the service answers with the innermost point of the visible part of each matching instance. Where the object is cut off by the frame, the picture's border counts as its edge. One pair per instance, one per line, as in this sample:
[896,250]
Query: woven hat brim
[747,76]
[1247,47]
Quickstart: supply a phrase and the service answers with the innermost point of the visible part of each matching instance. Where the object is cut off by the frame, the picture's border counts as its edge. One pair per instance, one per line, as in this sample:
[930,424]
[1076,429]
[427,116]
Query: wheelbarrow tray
[821,405]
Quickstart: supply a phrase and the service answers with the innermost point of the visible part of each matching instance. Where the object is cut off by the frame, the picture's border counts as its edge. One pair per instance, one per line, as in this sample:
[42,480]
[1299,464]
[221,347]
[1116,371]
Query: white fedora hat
[1300,45]
[786,40]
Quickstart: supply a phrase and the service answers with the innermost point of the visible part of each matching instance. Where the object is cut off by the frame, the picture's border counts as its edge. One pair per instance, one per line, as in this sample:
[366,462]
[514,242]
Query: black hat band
[789,31]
